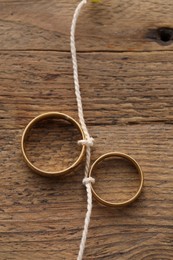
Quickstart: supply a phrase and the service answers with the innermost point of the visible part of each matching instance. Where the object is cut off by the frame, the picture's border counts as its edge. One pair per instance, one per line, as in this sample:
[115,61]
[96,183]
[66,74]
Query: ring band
[134,163]
[27,131]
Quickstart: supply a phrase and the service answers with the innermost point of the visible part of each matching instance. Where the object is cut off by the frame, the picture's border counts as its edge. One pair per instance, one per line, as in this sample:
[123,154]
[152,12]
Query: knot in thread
[88,142]
[88,180]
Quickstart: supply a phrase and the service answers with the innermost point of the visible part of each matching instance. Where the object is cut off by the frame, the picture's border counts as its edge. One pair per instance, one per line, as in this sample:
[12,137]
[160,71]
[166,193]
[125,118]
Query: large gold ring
[134,163]
[27,131]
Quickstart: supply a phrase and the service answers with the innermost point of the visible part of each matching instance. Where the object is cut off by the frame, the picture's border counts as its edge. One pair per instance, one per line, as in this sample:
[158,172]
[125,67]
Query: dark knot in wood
[163,35]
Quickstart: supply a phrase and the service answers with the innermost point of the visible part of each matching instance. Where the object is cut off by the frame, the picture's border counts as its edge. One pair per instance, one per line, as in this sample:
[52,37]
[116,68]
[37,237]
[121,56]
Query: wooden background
[126,76]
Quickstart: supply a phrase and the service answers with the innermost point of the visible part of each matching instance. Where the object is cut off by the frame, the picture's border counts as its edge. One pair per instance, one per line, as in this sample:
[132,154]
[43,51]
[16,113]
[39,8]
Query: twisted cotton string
[89,140]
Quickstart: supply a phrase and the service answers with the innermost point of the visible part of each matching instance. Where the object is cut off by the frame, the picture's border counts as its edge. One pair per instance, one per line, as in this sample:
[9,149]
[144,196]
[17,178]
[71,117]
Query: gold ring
[27,131]
[134,163]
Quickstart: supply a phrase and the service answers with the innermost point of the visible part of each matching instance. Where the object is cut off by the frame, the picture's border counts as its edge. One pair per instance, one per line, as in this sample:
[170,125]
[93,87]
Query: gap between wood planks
[92,51]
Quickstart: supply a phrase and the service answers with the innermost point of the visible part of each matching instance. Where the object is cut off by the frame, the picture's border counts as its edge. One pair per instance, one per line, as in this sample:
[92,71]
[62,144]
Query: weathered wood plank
[109,26]
[130,88]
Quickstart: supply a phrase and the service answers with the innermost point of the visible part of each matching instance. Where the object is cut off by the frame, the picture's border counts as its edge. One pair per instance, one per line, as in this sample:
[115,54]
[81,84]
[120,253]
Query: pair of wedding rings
[57,115]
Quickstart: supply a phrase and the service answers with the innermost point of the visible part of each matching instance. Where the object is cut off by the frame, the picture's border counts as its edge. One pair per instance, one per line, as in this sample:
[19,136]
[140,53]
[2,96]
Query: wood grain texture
[126,84]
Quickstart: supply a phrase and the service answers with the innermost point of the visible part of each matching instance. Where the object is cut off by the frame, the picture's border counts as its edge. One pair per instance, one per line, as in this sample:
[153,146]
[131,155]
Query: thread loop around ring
[88,180]
[88,142]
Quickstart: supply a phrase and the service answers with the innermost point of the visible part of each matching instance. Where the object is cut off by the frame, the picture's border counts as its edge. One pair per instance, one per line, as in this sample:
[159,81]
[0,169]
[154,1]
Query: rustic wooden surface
[126,75]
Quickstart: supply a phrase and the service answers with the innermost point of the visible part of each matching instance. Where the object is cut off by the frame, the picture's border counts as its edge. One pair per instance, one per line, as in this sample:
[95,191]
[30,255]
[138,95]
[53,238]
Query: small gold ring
[27,131]
[134,163]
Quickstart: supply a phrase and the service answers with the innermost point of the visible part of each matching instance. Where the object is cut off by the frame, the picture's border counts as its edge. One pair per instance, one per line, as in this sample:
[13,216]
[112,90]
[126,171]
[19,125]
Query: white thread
[89,140]
[88,180]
